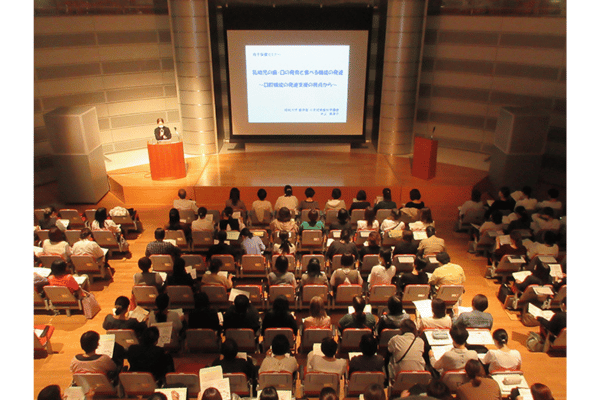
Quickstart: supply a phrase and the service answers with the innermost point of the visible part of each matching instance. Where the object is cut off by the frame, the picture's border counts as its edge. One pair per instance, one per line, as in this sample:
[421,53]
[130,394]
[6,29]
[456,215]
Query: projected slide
[291,84]
[297,83]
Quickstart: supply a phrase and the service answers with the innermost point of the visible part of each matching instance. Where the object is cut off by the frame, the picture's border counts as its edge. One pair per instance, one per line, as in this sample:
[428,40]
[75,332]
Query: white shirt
[381,276]
[362,224]
[185,204]
[202,224]
[499,359]
[290,202]
[388,224]
[86,246]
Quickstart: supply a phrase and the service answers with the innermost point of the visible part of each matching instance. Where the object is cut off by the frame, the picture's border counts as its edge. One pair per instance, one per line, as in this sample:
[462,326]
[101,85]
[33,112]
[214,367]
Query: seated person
[342,222]
[514,248]
[148,357]
[146,277]
[368,360]
[227,222]
[309,203]
[432,244]
[471,205]
[175,224]
[447,273]
[520,220]
[370,222]
[231,363]
[103,222]
[119,319]
[184,204]
[57,244]
[59,276]
[87,246]
[212,276]
[262,208]
[525,199]
[386,203]
[279,316]
[317,317]
[440,319]
[342,245]
[371,246]
[494,224]
[162,313]
[457,357]
[504,203]
[159,246]
[556,323]
[326,362]
[314,275]
[236,203]
[383,273]
[539,276]
[203,316]
[241,314]
[502,358]
[394,316]
[415,200]
[479,386]
[180,277]
[360,202]
[552,201]
[415,277]
[477,318]
[278,358]
[406,350]
[425,220]
[221,247]
[393,222]
[202,223]
[358,319]
[544,221]
[284,221]
[547,248]
[280,275]
[335,203]
[285,247]
[287,200]
[90,361]
[314,222]
[346,274]
[48,218]
[251,244]
[407,244]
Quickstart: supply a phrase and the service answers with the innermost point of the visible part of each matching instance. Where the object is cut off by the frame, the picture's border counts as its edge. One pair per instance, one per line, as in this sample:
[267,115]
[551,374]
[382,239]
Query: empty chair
[450,294]
[414,293]
[41,345]
[453,379]
[42,234]
[75,220]
[181,297]
[344,295]
[253,220]
[89,214]
[228,262]
[556,343]
[314,381]
[162,263]
[179,238]
[202,341]
[88,265]
[406,379]
[311,336]
[127,223]
[311,240]
[217,294]
[191,381]
[187,215]
[107,240]
[351,339]
[214,215]
[404,262]
[279,380]
[336,262]
[124,337]
[330,216]
[379,294]
[270,333]
[472,216]
[239,384]
[97,380]
[39,303]
[359,381]
[72,236]
[61,298]
[244,337]
[137,384]
[253,265]
[145,296]
[507,265]
[202,239]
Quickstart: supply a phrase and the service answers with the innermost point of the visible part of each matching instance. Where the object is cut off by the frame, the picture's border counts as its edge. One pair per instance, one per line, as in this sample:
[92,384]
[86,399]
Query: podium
[424,158]
[166,160]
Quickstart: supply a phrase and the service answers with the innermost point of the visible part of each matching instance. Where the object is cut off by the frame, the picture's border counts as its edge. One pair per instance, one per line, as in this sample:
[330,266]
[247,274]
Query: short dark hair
[442,257]
[241,303]
[50,392]
[211,393]
[475,195]
[479,302]
[262,194]
[55,235]
[313,215]
[328,393]
[407,325]
[329,346]
[222,236]
[280,345]
[496,217]
[347,260]
[149,336]
[89,341]
[550,238]
[58,268]
[159,396]
[281,264]
[430,231]
[553,193]
[309,192]
[374,392]
[368,345]
[336,193]
[181,193]
[395,305]
[85,233]
[361,195]
[144,263]
[162,301]
[387,194]
[159,234]
[459,334]
[414,194]
[229,349]
[438,308]
[420,263]
[269,393]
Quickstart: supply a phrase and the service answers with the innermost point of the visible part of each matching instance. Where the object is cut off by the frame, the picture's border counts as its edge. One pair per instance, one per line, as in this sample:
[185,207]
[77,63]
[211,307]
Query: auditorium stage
[209,178]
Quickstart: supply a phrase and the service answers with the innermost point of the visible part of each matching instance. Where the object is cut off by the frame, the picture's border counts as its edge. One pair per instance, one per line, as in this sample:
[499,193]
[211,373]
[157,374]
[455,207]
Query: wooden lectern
[424,158]
[166,160]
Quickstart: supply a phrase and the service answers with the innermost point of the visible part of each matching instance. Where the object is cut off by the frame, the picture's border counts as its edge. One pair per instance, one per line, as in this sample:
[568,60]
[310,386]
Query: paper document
[234,292]
[352,354]
[367,309]
[192,271]
[555,271]
[336,234]
[173,393]
[233,235]
[163,276]
[538,312]
[45,272]
[74,393]
[540,290]
[213,377]
[503,239]
[424,308]
[439,351]
[547,259]
[420,235]
[106,344]
[364,234]
[165,330]
[516,260]
[520,276]
[480,337]
[139,313]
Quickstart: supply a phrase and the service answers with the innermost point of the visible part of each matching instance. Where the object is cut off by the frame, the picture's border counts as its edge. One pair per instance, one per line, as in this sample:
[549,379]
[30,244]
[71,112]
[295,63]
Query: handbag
[90,305]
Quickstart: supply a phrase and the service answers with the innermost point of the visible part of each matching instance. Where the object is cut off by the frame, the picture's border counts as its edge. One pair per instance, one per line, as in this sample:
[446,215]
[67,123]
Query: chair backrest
[270,333]
[47,259]
[453,379]
[560,341]
[306,258]
[291,261]
[382,214]
[432,262]
[311,336]
[336,262]
[314,381]
[202,340]
[191,381]
[292,236]
[384,337]
[216,216]
[529,294]
[360,380]
[509,264]
[145,296]
[253,264]
[188,215]
[124,337]
[449,293]
[178,236]
[474,216]
[217,294]
[61,296]
[195,261]
[404,262]
[267,217]
[391,238]
[90,215]
[310,291]
[162,263]
[106,239]
[357,215]
[244,337]
[38,301]
[239,384]
[330,216]
[38,214]
[202,239]
[406,379]
[312,238]
[42,234]
[345,293]
[256,294]
[97,381]
[137,383]
[351,338]
[379,294]
[282,380]
[362,236]
[73,216]
[85,264]
[540,259]
[180,297]
[368,262]
[72,236]
[282,290]
[414,292]
[228,262]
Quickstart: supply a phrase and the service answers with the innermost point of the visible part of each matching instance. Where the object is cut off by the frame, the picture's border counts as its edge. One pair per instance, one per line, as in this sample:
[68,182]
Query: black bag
[505,294]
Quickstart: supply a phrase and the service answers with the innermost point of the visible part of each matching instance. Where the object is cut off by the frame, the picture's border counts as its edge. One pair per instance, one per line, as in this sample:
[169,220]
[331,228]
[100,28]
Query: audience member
[252,245]
[547,248]
[425,220]
[203,316]
[327,362]
[471,205]
[371,246]
[368,360]
[231,363]
[360,202]
[56,244]
[184,204]
[317,317]
[280,275]
[357,319]
[539,276]
[415,200]
[228,222]
[202,223]
[145,277]
[525,199]
[59,276]
[514,248]
[342,222]
[90,361]
[279,316]
[556,323]
[502,358]
[149,357]
[335,203]
[309,203]
[439,390]
[447,273]
[457,357]
[544,221]
[383,273]
[48,218]
[504,203]
[241,314]
[520,220]
[370,222]
[539,391]
[213,277]
[119,319]
[386,203]
[87,246]
[374,392]
[175,224]
[162,313]
[314,222]
[235,203]
[493,225]
[439,320]
[314,275]
[342,245]
[269,393]
[221,247]
[346,274]
[285,246]
[406,350]
[278,357]
[284,221]
[160,246]
[552,201]
[262,208]
[417,276]
[287,200]
[179,276]
[103,222]
[393,317]
[393,221]
[327,393]
[407,244]
[432,244]
[477,318]
[479,387]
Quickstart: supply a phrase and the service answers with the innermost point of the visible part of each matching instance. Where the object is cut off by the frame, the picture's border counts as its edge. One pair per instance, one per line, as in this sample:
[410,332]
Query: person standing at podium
[161,132]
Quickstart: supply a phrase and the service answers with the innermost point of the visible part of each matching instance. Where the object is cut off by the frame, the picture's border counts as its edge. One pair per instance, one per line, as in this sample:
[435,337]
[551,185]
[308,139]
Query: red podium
[424,158]
[166,160]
